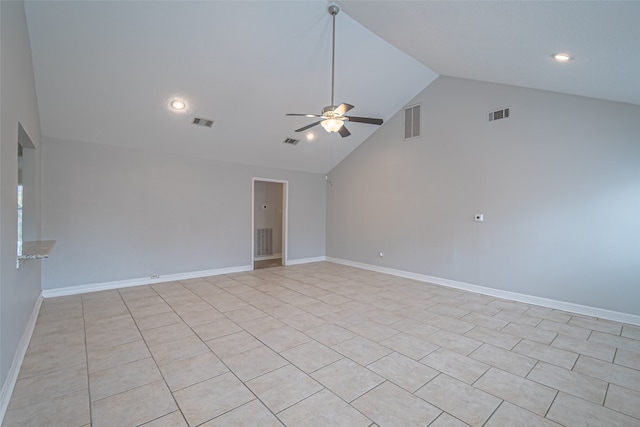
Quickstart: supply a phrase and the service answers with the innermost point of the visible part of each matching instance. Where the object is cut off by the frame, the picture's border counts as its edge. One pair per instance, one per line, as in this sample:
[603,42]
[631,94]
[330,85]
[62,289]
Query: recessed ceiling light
[178,104]
[562,57]
[311,136]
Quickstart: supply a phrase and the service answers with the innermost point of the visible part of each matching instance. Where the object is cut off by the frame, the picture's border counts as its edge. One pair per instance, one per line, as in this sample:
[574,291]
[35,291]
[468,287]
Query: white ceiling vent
[499,114]
[202,122]
[291,141]
[412,121]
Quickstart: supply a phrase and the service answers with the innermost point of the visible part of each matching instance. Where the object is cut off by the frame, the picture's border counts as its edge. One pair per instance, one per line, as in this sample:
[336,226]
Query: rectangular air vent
[412,122]
[499,114]
[291,141]
[202,122]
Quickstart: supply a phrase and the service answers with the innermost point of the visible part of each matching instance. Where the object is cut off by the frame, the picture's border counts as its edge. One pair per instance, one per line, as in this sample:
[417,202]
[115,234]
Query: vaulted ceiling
[107,70]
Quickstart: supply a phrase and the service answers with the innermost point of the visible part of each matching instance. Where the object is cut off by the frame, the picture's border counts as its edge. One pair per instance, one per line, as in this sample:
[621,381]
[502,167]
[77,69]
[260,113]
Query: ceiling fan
[333,118]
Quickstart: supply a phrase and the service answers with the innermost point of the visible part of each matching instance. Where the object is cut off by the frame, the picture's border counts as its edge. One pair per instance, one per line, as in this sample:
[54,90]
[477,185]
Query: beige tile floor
[321,345]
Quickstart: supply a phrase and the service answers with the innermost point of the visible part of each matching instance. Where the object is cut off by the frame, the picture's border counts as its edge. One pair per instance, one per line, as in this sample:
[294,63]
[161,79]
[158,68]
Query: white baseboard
[306,260]
[18,357]
[105,286]
[498,293]
[95,287]
[514,296]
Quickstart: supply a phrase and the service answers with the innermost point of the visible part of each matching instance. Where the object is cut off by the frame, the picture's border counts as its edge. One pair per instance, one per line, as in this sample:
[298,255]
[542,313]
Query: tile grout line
[551,405]
[220,359]
[431,403]
[606,393]
[152,358]
[496,410]
[278,353]
[86,355]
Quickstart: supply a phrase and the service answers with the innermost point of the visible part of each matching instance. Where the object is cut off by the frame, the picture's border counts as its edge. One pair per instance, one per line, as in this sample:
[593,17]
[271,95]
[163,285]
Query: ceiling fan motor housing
[329,110]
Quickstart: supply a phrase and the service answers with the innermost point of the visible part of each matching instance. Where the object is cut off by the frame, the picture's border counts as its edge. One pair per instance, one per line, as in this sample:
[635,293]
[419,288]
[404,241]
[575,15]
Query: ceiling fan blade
[344,132]
[367,120]
[304,115]
[308,126]
[342,108]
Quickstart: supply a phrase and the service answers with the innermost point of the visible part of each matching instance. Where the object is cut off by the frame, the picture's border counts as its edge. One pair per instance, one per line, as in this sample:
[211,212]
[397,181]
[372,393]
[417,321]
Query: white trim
[306,260]
[285,217]
[18,357]
[514,296]
[95,287]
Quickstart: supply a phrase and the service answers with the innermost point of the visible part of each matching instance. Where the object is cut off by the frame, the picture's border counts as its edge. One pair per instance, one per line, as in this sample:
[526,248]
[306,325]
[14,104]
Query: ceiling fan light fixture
[331,125]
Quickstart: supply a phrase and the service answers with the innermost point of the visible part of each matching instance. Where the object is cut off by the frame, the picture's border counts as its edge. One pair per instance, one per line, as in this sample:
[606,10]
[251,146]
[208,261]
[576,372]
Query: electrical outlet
[155,276]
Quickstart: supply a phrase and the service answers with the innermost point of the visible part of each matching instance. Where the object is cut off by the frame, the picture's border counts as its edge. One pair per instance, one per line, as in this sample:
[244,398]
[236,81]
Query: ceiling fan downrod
[332,118]
[333,11]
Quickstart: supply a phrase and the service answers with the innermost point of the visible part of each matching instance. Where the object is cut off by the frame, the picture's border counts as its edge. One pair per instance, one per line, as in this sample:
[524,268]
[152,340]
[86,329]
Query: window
[26,150]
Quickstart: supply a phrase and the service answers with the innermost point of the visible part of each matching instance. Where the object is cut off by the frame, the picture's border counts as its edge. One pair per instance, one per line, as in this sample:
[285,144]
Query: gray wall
[120,214]
[271,195]
[558,184]
[19,288]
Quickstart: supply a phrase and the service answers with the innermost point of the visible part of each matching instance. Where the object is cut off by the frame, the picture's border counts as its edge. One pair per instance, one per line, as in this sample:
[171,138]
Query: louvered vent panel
[412,119]
[264,241]
[202,122]
[499,114]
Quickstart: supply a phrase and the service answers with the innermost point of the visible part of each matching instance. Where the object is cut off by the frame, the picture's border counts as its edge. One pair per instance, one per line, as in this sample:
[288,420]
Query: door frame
[285,217]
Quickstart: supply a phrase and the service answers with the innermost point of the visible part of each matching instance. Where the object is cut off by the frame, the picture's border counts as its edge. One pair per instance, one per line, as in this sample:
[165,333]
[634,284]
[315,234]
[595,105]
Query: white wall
[121,214]
[558,184]
[269,194]
[19,288]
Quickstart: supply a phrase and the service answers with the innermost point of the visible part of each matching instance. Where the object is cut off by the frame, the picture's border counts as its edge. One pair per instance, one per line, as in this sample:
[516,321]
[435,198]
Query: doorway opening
[269,223]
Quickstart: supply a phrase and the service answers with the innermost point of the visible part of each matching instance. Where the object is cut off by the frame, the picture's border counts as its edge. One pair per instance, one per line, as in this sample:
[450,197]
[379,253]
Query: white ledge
[37,249]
